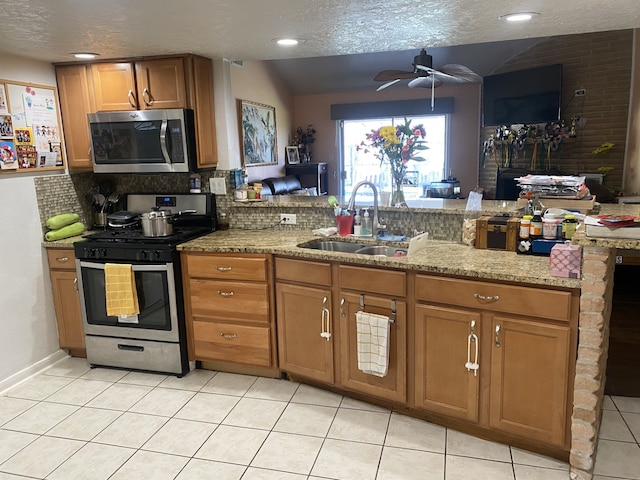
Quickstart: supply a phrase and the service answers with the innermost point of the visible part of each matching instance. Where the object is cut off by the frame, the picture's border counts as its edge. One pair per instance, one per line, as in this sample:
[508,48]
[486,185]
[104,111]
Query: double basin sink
[355,248]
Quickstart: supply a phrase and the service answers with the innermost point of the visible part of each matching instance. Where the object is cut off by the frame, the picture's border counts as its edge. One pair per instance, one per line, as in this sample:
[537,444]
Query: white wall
[27,317]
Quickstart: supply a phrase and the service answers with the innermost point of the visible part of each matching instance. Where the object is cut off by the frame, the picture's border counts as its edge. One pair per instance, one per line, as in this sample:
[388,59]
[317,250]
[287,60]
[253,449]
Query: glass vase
[397,194]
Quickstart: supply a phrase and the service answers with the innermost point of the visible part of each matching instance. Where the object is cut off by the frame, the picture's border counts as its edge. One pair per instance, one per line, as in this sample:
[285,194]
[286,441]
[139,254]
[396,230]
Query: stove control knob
[155,255]
[90,252]
[142,255]
[103,253]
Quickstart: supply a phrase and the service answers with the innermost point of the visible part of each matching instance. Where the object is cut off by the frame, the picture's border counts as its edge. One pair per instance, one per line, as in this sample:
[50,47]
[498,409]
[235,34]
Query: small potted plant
[304,138]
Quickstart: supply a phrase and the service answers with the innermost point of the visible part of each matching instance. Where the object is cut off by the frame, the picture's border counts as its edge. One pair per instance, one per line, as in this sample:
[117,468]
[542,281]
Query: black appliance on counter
[155,339]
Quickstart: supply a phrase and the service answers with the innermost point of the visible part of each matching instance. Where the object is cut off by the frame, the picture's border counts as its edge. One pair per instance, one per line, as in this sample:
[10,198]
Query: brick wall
[601,64]
[595,310]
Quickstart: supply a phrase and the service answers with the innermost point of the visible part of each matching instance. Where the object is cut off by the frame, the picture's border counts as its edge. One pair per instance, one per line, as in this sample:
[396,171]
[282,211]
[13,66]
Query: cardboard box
[497,233]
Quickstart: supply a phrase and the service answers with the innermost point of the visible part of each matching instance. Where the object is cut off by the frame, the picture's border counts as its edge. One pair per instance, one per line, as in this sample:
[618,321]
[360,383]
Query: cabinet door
[161,83]
[66,300]
[300,321]
[393,385]
[443,346]
[202,102]
[114,86]
[529,379]
[75,104]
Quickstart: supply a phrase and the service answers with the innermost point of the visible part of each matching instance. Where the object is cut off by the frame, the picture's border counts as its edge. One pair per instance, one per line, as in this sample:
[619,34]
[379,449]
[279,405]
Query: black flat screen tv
[526,96]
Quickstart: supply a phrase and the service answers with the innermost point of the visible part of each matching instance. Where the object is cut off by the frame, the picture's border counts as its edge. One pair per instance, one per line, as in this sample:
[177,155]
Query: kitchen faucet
[376,227]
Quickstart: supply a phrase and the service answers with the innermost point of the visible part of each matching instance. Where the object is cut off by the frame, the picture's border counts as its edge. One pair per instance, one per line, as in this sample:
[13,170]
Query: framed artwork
[258,132]
[293,155]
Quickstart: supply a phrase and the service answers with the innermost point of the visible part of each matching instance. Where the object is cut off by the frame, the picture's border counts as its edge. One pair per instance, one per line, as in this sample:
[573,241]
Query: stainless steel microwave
[143,141]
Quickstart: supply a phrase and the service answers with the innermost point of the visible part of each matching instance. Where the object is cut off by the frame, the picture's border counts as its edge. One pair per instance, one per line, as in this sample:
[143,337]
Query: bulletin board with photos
[30,128]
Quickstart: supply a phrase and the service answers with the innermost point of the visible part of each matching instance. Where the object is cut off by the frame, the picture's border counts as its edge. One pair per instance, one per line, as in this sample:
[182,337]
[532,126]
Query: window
[358,165]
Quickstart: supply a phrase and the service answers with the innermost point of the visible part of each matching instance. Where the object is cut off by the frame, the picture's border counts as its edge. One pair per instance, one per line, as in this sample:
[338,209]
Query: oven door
[155,286]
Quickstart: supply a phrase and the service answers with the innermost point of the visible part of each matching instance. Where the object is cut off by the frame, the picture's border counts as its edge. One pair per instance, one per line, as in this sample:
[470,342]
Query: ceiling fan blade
[462,73]
[388,75]
[433,71]
[388,84]
[426,82]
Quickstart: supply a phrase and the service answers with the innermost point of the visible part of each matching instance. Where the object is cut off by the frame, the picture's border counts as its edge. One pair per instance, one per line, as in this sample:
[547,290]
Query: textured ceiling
[245,29]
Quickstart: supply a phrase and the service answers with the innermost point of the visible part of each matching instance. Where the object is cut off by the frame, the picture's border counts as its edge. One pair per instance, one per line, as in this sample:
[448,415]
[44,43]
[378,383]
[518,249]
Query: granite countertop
[438,257]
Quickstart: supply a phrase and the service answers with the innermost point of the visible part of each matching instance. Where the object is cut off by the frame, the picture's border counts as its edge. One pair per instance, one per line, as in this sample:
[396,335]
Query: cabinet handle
[472,338]
[342,312]
[223,269]
[62,259]
[225,294]
[146,97]
[75,283]
[132,99]
[498,335]
[325,321]
[228,336]
[490,298]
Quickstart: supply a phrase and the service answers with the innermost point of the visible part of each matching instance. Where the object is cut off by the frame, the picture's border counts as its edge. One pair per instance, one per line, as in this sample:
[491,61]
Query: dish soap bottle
[357,223]
[366,224]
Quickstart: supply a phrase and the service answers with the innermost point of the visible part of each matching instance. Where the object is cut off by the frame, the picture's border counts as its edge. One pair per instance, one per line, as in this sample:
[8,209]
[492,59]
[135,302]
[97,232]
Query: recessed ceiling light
[519,17]
[85,55]
[287,42]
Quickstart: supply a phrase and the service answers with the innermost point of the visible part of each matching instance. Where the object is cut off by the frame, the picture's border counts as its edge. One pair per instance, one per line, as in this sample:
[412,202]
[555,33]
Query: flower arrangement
[397,145]
[304,138]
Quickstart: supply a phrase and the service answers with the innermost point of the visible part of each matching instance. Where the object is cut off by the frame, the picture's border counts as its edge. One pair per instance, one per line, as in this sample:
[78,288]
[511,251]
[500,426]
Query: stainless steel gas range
[155,338]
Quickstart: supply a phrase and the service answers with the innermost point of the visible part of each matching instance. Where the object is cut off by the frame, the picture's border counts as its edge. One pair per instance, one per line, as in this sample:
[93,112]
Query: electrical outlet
[287,218]
[581,92]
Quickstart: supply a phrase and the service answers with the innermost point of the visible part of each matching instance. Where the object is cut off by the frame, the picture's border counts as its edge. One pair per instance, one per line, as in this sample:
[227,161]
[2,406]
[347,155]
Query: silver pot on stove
[159,223]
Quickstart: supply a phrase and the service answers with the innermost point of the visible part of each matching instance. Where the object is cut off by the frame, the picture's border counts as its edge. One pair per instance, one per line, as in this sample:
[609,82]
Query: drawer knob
[490,298]
[223,269]
[228,336]
[225,294]
[62,259]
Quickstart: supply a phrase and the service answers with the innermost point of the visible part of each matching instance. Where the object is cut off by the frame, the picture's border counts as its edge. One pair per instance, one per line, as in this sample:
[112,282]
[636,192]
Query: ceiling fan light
[518,17]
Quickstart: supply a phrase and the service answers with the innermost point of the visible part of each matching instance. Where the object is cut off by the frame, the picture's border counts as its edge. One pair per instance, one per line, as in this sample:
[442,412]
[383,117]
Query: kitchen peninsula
[443,259]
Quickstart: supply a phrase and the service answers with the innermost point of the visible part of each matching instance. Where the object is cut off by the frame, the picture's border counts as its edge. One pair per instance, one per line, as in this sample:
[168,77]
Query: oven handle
[131,348]
[136,268]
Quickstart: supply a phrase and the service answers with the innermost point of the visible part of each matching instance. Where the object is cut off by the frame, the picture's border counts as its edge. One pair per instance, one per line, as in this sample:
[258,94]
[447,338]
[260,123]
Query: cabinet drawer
[303,271]
[61,259]
[232,343]
[373,280]
[227,266]
[238,301]
[528,301]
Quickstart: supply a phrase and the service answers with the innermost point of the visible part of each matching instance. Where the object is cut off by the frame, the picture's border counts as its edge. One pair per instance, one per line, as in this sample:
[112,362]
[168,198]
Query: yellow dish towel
[120,289]
[373,343]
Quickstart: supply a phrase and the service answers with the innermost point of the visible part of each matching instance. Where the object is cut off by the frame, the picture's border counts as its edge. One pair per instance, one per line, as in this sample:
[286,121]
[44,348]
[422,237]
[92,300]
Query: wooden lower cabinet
[228,308]
[393,385]
[66,300]
[529,379]
[303,313]
[443,346]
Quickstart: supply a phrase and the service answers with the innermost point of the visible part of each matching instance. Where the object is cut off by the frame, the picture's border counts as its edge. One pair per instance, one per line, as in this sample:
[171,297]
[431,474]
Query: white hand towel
[373,343]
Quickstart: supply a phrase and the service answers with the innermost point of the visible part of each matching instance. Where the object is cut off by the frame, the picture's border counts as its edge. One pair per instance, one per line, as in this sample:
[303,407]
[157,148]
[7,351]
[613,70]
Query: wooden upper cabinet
[143,85]
[202,102]
[75,103]
[114,86]
[161,83]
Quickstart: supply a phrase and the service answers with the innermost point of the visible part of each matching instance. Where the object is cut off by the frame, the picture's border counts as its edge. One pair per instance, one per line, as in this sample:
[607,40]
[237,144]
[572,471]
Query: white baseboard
[32,370]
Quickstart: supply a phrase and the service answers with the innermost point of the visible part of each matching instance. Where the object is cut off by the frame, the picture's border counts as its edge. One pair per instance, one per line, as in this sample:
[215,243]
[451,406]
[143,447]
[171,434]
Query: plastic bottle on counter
[195,185]
[366,224]
[535,230]
[357,224]
[525,226]
[569,226]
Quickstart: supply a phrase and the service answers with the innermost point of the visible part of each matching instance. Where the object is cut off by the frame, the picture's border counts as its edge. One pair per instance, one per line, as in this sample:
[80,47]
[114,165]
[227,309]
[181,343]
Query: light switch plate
[218,186]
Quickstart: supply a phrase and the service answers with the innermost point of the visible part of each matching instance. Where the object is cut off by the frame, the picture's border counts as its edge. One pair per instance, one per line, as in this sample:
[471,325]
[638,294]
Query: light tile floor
[75,423]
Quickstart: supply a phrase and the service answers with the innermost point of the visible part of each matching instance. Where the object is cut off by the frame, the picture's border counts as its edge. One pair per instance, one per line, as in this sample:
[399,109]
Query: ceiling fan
[425,76]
